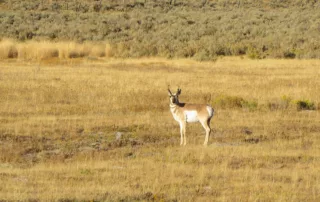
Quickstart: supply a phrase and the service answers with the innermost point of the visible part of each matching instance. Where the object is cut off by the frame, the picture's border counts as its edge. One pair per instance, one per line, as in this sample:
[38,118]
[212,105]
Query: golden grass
[43,50]
[8,49]
[58,123]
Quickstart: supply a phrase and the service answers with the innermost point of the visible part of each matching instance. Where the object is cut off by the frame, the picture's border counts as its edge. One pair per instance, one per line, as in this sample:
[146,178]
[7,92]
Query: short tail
[210,111]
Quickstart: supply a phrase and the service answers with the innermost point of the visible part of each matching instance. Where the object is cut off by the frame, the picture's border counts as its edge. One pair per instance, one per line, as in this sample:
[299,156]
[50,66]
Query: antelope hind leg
[206,126]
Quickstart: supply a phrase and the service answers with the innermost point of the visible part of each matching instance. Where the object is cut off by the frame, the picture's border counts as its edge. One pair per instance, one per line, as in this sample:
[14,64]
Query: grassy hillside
[202,30]
[59,120]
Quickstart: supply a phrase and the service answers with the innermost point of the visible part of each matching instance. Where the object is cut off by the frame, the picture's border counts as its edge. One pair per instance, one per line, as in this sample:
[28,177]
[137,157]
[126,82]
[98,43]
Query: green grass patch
[305,105]
[233,102]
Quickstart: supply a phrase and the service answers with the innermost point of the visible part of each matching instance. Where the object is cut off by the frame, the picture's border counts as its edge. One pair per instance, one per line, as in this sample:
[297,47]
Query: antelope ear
[178,91]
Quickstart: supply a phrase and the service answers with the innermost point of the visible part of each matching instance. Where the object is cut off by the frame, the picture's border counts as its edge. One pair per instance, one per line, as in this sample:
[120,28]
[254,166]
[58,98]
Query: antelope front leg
[181,133]
[184,134]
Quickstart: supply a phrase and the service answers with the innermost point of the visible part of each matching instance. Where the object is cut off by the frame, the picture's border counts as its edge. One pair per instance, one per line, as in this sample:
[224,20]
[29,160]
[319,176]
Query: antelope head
[174,98]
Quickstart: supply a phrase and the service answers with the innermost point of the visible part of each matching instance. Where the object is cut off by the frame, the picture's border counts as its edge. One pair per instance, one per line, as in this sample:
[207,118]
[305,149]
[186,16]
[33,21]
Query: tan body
[186,113]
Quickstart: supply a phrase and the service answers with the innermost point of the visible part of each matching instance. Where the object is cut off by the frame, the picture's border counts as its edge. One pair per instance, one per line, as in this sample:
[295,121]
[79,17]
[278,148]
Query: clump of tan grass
[36,50]
[108,50]
[8,49]
[76,50]
[41,50]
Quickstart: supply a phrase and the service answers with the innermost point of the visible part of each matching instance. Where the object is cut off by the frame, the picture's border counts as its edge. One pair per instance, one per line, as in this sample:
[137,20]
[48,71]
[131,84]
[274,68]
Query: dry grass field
[59,119]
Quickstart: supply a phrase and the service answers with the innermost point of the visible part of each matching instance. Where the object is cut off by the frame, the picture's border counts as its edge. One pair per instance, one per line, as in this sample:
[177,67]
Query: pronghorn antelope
[185,113]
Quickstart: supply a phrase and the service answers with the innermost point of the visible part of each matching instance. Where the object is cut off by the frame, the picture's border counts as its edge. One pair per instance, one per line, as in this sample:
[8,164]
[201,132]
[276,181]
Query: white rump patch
[210,111]
[191,116]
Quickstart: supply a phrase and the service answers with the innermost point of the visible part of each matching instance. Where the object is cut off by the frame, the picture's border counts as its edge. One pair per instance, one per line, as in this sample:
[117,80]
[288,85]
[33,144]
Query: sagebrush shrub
[305,105]
[258,29]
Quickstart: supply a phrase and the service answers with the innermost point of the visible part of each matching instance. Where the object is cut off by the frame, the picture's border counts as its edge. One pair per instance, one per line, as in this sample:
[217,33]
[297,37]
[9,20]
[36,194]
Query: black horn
[169,90]
[178,91]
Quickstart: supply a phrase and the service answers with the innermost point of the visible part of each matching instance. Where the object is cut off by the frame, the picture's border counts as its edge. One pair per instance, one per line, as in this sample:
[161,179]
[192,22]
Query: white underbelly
[191,116]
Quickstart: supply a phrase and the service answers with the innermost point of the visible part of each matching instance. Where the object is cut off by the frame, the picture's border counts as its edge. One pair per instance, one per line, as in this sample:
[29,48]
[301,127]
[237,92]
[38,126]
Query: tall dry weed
[97,51]
[36,50]
[41,50]
[8,49]
[108,50]
[67,50]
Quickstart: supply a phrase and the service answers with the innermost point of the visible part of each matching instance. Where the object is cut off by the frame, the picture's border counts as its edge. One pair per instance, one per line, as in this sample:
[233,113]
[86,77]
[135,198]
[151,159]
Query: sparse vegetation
[81,129]
[282,104]
[203,30]
[305,105]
